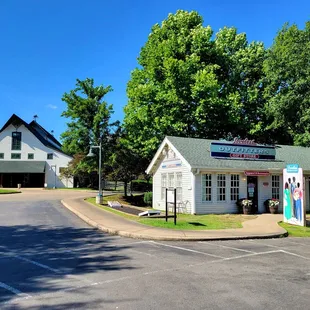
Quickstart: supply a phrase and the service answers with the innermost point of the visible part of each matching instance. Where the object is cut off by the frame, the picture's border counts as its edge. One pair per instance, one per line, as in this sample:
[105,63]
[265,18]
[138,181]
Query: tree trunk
[125,188]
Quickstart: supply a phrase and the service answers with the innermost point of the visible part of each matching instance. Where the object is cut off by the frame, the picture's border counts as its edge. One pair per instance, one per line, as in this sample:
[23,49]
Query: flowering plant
[273,202]
[246,203]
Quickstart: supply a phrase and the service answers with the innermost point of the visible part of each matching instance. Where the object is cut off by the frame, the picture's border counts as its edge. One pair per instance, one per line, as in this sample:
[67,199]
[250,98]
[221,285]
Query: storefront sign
[256,173]
[293,195]
[292,168]
[247,150]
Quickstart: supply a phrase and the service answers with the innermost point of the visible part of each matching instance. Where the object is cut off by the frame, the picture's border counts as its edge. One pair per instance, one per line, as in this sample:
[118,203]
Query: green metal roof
[15,166]
[197,153]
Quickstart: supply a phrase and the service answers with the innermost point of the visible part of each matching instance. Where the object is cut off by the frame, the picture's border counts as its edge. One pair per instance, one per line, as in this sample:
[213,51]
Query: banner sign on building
[293,195]
[242,149]
[171,163]
[256,173]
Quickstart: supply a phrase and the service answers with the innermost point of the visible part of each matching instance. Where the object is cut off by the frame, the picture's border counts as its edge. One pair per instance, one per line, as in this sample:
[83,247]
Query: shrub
[148,198]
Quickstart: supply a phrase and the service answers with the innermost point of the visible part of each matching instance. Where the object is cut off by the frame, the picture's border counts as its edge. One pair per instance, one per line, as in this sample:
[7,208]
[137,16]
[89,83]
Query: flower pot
[247,210]
[273,210]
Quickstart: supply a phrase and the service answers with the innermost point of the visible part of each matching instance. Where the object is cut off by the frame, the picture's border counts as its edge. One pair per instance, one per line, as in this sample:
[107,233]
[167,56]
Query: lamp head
[90,153]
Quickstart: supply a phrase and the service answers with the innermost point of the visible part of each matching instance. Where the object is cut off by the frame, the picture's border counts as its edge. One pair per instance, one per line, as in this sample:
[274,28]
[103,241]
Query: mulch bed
[128,210]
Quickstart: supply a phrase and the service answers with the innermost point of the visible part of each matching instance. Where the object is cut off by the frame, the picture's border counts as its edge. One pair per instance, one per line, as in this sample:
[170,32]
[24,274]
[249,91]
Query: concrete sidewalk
[264,226]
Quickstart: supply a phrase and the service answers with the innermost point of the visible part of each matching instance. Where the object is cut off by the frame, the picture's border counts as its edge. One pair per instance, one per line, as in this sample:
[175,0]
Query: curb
[159,238]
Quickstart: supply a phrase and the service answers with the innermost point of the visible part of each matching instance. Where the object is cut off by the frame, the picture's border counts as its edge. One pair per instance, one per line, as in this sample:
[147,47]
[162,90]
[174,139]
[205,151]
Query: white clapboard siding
[214,206]
[186,204]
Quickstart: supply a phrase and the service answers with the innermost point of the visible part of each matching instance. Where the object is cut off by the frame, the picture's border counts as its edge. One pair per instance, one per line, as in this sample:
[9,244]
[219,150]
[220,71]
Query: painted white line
[143,253]
[14,290]
[252,254]
[294,254]
[264,244]
[226,247]
[185,249]
[37,264]
[298,243]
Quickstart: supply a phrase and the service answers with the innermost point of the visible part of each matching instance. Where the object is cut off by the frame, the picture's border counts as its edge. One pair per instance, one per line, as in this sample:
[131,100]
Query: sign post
[293,195]
[171,197]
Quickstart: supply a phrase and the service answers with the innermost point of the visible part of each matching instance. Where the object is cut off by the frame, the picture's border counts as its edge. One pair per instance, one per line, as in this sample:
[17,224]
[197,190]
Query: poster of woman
[293,206]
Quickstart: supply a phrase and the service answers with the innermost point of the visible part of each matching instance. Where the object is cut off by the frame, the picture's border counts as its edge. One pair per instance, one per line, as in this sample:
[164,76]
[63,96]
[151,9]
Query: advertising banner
[293,195]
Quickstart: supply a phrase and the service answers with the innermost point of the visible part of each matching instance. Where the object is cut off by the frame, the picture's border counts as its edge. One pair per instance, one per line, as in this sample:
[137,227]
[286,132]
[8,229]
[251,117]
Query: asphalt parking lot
[49,259]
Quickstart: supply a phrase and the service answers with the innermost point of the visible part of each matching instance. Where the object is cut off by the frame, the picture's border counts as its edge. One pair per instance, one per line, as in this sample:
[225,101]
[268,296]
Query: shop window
[16,141]
[163,185]
[30,156]
[221,187]
[1,155]
[15,156]
[179,185]
[234,187]
[50,156]
[207,187]
[171,180]
[275,186]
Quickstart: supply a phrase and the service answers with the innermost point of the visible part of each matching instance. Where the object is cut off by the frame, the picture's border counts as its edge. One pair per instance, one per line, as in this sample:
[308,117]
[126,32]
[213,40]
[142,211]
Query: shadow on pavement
[70,253]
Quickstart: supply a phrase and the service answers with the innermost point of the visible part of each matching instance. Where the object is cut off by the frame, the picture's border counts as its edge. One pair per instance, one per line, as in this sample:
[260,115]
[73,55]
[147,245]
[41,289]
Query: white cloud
[51,106]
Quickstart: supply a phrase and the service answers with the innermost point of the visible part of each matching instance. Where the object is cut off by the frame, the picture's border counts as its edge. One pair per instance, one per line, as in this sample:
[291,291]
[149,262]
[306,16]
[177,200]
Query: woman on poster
[297,199]
[287,202]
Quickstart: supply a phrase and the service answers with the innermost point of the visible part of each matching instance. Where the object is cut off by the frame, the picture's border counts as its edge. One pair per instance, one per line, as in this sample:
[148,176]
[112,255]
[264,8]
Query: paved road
[50,259]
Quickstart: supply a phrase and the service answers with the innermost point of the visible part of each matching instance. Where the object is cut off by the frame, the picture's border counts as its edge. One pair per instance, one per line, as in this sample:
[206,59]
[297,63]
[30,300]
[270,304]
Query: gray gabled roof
[197,153]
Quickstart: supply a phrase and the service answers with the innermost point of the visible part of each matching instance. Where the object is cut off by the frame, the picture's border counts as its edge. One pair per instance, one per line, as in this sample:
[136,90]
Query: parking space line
[185,249]
[36,264]
[14,290]
[294,254]
[226,247]
[260,243]
[252,254]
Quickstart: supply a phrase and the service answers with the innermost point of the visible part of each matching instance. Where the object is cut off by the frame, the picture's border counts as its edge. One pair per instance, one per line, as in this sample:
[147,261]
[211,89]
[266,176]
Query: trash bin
[19,186]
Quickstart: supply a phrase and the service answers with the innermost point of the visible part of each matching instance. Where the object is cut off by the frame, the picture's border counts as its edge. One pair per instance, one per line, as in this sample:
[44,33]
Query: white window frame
[171,179]
[221,187]
[275,186]
[206,181]
[163,185]
[234,187]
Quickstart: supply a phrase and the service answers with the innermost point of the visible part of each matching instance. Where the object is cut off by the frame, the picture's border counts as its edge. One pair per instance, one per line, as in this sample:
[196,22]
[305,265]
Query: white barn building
[31,156]
[210,176]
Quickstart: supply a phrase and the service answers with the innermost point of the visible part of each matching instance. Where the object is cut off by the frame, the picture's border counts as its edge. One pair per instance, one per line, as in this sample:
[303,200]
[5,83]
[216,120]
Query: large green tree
[287,69]
[190,83]
[89,123]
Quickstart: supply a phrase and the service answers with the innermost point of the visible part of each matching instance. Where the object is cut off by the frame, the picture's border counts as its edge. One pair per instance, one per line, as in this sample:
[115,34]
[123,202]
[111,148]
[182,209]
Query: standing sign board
[293,195]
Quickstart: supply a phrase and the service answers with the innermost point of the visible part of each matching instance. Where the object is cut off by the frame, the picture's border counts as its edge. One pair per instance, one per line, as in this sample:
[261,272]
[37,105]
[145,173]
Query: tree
[189,84]
[125,164]
[89,116]
[287,69]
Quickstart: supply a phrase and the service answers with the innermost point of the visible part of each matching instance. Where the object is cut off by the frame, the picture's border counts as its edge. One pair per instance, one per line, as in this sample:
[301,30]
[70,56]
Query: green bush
[148,198]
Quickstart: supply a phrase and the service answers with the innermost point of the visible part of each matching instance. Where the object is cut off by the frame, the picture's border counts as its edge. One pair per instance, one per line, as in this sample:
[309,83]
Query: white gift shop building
[209,176]
[31,156]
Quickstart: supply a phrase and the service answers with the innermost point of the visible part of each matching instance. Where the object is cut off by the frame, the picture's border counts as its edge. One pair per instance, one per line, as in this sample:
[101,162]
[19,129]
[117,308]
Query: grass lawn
[8,191]
[184,221]
[296,231]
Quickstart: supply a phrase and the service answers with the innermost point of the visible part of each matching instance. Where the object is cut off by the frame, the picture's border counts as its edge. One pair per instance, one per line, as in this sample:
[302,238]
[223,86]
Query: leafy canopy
[288,78]
[190,83]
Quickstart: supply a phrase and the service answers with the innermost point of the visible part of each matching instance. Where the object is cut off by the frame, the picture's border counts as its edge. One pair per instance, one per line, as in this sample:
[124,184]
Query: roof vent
[35,117]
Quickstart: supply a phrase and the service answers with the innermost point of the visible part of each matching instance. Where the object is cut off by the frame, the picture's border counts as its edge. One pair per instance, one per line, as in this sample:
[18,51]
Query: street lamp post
[99,197]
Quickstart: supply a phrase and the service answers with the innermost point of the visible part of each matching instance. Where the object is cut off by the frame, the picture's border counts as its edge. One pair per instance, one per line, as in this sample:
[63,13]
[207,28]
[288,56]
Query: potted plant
[247,206]
[273,205]
[239,205]
[266,205]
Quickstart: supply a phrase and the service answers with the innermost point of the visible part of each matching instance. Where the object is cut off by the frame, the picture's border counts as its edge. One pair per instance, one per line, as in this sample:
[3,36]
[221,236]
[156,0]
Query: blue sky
[46,45]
